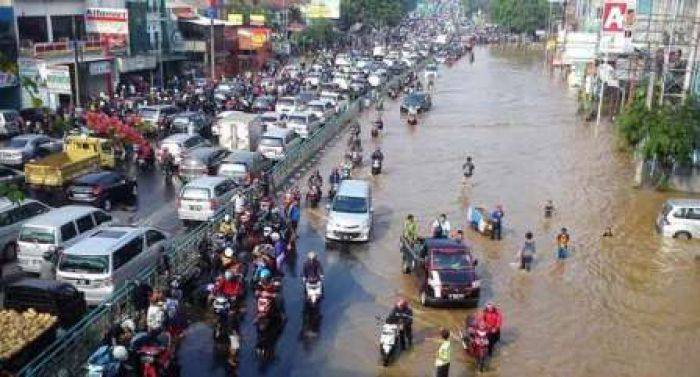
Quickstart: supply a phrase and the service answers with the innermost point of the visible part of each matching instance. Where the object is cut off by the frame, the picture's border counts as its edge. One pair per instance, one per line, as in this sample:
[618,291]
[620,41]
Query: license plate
[195,208]
[36,261]
[345,237]
[81,196]
[456,296]
[83,282]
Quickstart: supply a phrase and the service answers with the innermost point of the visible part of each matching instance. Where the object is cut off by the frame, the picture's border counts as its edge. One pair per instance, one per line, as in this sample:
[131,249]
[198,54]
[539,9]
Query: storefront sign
[110,24]
[100,68]
[252,38]
[612,37]
[58,79]
[322,9]
[136,63]
[235,19]
[257,20]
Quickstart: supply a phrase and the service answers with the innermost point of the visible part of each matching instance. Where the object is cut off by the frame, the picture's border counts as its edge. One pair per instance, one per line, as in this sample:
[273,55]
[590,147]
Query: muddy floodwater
[628,305]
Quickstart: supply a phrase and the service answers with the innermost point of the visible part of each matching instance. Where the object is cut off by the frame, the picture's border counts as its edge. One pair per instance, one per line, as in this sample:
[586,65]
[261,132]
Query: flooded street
[621,306]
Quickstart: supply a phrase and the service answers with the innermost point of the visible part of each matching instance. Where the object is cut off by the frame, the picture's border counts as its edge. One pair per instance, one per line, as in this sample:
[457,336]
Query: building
[9,83]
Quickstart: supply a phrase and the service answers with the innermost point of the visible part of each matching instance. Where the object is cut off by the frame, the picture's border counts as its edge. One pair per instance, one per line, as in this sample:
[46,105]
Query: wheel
[107,205]
[424,299]
[682,236]
[10,252]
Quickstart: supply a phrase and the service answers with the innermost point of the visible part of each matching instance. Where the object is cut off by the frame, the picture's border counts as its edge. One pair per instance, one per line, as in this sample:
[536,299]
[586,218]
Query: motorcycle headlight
[476,284]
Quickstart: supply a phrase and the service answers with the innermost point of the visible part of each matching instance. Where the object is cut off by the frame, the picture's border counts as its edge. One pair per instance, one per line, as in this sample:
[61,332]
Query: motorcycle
[332,191]
[269,323]
[313,293]
[346,172]
[388,342]
[157,361]
[313,196]
[226,337]
[356,159]
[102,364]
[476,346]
[376,166]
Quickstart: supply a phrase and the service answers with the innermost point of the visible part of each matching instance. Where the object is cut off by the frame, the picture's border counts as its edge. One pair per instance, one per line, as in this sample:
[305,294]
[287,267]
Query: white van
[60,227]
[276,142]
[203,198]
[303,123]
[103,262]
[286,105]
[350,214]
[239,131]
[680,218]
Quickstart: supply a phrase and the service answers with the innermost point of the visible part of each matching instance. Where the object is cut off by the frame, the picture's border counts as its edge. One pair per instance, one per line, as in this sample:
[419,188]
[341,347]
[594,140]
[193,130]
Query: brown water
[622,306]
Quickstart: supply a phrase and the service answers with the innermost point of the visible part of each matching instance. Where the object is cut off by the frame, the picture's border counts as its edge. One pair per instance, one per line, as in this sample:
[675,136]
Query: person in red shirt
[228,285]
[494,320]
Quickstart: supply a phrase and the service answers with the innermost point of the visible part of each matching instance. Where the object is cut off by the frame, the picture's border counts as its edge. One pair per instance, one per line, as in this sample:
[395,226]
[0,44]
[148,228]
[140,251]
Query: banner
[321,9]
[58,79]
[257,20]
[252,38]
[110,24]
[235,19]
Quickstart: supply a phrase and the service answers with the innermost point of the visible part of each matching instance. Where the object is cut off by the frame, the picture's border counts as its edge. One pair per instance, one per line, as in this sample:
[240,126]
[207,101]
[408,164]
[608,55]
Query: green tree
[522,16]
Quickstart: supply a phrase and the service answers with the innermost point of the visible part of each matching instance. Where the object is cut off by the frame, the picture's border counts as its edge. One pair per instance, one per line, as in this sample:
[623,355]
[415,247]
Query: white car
[350,214]
[303,123]
[680,218]
[203,198]
[286,105]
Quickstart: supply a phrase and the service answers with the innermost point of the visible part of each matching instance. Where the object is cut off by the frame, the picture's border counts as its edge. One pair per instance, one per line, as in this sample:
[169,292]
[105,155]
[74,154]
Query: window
[18,214]
[68,231]
[693,213]
[101,217]
[680,213]
[35,208]
[111,179]
[128,252]
[153,236]
[189,143]
[85,223]
[44,236]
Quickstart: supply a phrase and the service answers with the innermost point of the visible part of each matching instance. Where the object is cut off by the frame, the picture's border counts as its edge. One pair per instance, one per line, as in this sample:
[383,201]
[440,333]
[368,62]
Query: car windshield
[296,119]
[350,204]
[91,264]
[271,142]
[232,170]
[181,120]
[37,234]
[149,113]
[18,143]
[285,101]
[195,193]
[268,118]
[414,99]
[454,260]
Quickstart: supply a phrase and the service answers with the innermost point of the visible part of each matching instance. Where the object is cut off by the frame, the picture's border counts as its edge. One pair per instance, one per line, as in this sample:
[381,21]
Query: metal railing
[67,356]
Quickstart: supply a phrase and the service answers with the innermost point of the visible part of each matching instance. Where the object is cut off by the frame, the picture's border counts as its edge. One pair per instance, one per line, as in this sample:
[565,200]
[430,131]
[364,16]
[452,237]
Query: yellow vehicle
[81,154]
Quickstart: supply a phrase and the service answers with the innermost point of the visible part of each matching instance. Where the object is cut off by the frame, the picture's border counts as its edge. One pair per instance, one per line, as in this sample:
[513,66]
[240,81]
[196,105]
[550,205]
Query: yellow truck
[81,154]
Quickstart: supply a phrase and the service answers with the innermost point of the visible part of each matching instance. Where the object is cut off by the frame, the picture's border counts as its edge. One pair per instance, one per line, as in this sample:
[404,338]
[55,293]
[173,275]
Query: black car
[201,161]
[419,100]
[11,176]
[103,189]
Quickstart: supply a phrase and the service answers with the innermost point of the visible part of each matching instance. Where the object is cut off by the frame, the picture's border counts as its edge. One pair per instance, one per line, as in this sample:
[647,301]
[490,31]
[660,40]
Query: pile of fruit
[19,329]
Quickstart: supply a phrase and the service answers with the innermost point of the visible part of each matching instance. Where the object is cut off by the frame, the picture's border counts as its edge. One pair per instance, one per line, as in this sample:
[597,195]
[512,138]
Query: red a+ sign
[614,17]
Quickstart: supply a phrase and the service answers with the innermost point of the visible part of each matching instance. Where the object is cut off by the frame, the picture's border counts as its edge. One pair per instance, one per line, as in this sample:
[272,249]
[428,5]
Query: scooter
[157,361]
[332,191]
[376,166]
[356,159]
[313,293]
[226,335]
[313,197]
[388,342]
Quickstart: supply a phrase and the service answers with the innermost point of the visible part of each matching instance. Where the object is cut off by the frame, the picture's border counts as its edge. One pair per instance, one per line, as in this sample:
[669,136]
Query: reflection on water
[621,306]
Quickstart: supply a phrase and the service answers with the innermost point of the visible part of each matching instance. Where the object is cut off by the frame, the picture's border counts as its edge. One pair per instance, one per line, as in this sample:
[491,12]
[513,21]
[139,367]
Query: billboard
[110,24]
[58,79]
[235,19]
[321,9]
[257,19]
[252,38]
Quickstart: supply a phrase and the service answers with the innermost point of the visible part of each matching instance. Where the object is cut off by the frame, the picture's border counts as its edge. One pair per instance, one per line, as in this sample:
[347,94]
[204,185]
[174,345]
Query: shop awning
[206,21]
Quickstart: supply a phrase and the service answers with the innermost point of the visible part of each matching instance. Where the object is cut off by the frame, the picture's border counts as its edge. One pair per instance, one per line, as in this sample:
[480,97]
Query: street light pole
[211,41]
[77,102]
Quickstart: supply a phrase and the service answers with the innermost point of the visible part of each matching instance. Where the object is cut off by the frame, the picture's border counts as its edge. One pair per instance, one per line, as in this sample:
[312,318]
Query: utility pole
[76,72]
[695,39]
[212,52]
[159,42]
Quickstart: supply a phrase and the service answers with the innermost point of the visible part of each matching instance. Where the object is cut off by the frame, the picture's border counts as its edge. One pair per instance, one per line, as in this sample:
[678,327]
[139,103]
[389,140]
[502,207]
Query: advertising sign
[235,19]
[58,79]
[321,9]
[252,38]
[257,20]
[613,39]
[110,24]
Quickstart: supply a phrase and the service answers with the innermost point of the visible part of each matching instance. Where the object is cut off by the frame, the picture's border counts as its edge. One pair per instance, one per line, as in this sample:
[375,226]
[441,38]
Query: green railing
[67,356]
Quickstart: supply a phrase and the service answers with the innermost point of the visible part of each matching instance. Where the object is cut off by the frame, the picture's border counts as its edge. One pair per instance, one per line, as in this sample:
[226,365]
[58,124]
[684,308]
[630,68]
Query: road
[620,306]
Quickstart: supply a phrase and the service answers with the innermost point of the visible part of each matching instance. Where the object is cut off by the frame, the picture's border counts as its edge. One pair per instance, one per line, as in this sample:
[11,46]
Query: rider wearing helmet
[227,258]
[312,270]
[228,285]
[226,226]
[378,155]
[402,314]
[493,319]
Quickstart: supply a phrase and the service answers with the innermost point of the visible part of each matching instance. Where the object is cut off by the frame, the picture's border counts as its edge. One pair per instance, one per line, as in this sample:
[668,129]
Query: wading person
[563,244]
[527,253]
[444,355]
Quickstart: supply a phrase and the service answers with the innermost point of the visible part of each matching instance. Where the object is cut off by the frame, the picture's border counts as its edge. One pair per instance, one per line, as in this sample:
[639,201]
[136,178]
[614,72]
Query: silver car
[12,217]
[23,148]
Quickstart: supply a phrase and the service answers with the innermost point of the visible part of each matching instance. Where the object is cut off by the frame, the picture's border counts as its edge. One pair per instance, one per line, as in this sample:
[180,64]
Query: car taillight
[214,204]
[97,190]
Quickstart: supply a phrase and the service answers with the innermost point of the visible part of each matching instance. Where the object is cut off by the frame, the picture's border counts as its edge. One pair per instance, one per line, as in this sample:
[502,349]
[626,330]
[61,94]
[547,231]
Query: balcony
[89,49]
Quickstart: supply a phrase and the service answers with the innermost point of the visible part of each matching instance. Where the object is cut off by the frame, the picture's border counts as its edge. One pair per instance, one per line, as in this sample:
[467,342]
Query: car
[262,104]
[421,101]
[153,115]
[272,119]
[446,271]
[240,164]
[303,123]
[276,142]
[287,105]
[178,145]
[201,161]
[9,122]
[679,218]
[11,176]
[187,121]
[23,148]
[203,198]
[322,109]
[12,217]
[350,214]
[103,189]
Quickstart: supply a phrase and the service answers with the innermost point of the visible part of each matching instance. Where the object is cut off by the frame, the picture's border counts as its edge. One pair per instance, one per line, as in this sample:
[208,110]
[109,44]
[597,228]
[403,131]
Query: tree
[522,16]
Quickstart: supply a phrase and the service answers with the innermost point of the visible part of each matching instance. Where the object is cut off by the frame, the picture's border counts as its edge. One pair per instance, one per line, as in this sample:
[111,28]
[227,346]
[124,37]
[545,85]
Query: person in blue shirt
[293,215]
[497,222]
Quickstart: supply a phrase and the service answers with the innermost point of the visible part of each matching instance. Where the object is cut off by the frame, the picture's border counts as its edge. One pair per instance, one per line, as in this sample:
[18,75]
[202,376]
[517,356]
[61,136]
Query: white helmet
[227,217]
[220,303]
[228,275]
[228,253]
[267,230]
[311,255]
[128,324]
[120,353]
[275,236]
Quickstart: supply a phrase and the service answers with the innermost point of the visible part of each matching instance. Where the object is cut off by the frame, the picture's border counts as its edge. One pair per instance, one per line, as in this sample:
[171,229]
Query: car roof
[684,202]
[200,152]
[105,240]
[242,156]
[206,181]
[6,203]
[94,177]
[29,136]
[177,138]
[58,216]
[156,107]
[445,243]
[300,113]
[277,132]
[353,188]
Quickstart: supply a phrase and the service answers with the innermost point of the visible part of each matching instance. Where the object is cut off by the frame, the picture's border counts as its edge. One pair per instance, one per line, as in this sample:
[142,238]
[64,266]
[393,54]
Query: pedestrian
[527,253]
[608,232]
[468,168]
[497,222]
[548,209]
[563,239]
[441,227]
[444,354]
